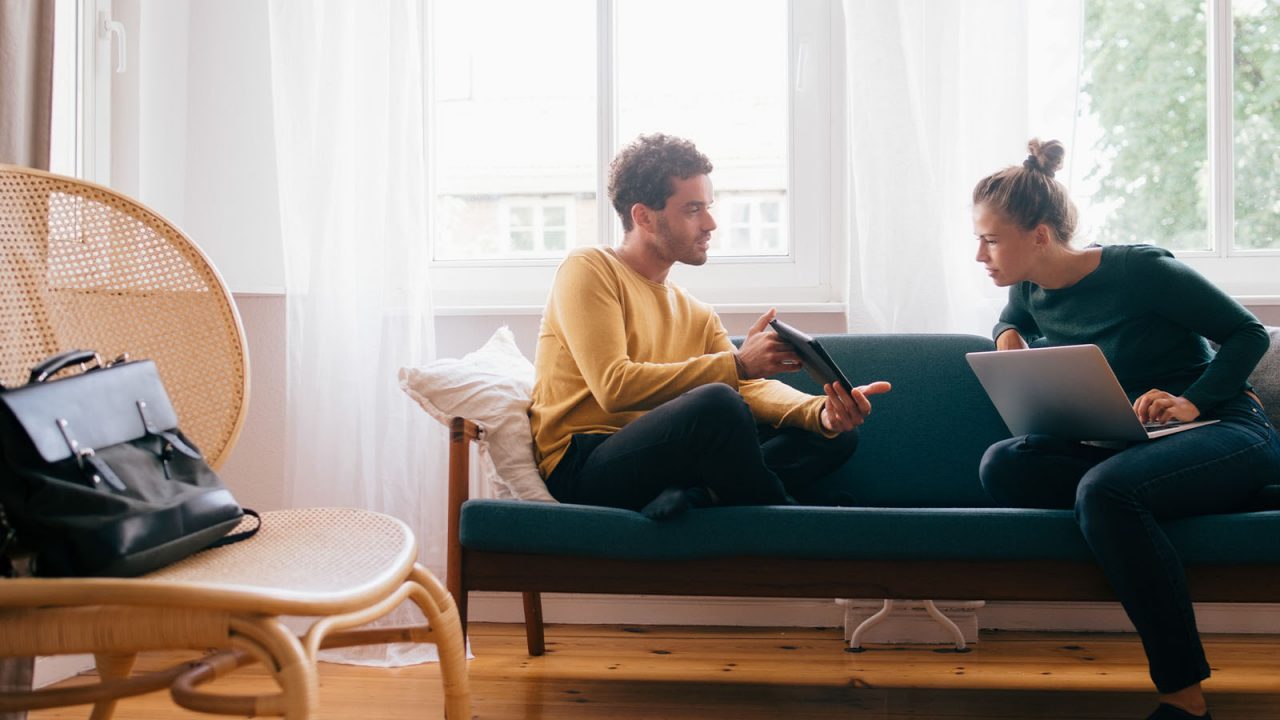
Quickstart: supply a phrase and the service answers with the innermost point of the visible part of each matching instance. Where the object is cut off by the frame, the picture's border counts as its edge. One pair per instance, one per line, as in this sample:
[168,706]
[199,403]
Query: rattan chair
[83,267]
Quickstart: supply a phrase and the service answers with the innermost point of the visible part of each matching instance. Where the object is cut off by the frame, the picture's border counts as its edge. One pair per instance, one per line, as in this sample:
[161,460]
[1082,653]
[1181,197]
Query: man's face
[684,226]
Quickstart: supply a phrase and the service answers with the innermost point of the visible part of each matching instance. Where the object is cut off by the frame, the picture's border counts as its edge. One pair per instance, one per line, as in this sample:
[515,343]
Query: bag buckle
[81,453]
[72,444]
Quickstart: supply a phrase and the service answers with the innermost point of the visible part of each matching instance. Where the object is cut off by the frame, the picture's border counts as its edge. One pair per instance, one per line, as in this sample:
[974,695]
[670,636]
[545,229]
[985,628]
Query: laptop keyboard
[1161,425]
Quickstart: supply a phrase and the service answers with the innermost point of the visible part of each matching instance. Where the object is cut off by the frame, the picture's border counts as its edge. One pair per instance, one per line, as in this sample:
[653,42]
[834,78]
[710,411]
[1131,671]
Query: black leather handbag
[97,479]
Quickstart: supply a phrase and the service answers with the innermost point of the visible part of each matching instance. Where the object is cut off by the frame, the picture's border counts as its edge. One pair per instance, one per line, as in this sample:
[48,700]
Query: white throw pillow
[492,387]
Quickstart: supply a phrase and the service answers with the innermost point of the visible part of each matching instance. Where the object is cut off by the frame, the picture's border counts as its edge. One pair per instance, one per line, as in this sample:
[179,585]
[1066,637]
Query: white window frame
[815,209]
[84,59]
[1244,273]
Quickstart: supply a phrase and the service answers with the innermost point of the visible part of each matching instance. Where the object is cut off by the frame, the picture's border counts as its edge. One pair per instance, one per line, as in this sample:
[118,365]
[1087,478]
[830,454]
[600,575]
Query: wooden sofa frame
[748,576]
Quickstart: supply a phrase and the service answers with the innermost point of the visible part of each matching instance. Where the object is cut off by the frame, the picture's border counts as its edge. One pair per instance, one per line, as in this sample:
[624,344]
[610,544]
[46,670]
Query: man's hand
[845,410]
[764,353]
[1011,340]
[1160,406]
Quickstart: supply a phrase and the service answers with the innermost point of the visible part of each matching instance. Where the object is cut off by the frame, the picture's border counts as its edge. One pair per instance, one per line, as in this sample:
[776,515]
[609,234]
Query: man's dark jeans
[1121,496]
[708,438]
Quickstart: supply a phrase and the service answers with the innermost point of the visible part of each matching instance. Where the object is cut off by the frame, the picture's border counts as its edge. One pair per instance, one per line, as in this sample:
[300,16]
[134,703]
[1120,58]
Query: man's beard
[676,250]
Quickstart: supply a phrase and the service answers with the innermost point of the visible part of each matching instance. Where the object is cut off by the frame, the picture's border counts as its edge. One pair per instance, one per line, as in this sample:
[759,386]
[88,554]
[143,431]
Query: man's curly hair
[642,172]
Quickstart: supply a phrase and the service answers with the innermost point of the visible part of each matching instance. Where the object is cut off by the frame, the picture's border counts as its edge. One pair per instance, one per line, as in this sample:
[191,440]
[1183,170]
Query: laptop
[1068,392]
[817,363]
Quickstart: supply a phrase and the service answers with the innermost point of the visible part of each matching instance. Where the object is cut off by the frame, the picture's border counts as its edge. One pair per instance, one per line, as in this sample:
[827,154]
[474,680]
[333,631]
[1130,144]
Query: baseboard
[56,668]
[658,610]
[1259,618]
[774,612]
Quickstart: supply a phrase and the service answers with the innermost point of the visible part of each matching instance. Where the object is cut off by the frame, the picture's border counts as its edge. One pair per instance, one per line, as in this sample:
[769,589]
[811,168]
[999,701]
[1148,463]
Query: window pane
[514,114]
[769,212]
[1257,124]
[521,239]
[770,238]
[553,240]
[553,217]
[521,216]
[718,77]
[1145,101]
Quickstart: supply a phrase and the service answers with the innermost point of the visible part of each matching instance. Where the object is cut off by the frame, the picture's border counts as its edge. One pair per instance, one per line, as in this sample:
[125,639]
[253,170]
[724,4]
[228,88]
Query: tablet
[817,362]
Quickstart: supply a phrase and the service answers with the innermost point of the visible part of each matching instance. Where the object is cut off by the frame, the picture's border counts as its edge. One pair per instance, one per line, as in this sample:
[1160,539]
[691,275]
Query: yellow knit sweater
[614,344]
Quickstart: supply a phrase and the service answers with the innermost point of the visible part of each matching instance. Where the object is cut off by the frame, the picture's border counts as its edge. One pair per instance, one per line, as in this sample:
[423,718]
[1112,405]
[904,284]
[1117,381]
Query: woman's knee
[1001,471]
[1103,493]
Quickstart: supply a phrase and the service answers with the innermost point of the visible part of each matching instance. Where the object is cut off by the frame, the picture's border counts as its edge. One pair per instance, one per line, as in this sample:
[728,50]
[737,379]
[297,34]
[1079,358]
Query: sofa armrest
[461,432]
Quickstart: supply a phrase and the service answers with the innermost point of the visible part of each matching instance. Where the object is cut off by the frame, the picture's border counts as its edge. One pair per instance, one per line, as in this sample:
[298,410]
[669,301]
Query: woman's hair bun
[1045,157]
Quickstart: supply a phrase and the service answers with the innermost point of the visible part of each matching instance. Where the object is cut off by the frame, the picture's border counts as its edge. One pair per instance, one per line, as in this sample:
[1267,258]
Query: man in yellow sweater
[640,399]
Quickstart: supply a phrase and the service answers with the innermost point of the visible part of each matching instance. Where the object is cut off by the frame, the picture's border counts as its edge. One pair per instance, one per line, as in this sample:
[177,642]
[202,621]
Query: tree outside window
[1145,84]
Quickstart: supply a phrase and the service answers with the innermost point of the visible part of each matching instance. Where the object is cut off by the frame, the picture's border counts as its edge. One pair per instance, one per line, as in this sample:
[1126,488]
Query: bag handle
[51,365]
[243,534]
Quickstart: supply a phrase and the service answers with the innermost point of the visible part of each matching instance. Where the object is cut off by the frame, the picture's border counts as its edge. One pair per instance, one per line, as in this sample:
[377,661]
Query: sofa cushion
[1266,378]
[839,533]
[921,445]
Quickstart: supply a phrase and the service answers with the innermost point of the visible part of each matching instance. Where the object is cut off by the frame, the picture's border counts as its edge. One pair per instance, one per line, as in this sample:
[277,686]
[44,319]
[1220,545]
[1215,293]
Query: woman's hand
[845,410]
[1160,406]
[1011,340]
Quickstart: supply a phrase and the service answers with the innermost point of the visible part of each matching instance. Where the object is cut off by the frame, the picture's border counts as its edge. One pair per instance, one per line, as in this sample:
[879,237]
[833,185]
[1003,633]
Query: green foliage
[1257,127]
[1145,78]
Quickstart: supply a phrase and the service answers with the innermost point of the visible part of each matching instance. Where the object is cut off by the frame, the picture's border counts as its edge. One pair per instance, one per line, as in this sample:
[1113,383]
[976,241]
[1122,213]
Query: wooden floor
[622,673]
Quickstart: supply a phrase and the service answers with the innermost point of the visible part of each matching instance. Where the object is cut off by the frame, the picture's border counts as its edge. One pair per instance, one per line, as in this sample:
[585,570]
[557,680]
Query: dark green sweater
[1150,314]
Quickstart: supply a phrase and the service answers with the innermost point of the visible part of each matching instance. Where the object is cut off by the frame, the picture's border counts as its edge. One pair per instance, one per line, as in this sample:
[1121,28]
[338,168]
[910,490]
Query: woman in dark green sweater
[1153,318]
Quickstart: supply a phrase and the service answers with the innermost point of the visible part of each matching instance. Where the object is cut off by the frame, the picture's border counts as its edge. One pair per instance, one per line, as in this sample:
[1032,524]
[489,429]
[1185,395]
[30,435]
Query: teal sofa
[924,527]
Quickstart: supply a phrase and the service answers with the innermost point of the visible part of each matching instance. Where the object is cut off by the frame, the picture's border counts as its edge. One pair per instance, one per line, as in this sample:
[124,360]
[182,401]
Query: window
[1181,124]
[530,101]
[87,48]
[1256,59]
[751,224]
[538,226]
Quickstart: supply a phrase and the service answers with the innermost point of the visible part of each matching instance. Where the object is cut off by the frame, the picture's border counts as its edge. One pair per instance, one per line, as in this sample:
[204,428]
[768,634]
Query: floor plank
[626,672]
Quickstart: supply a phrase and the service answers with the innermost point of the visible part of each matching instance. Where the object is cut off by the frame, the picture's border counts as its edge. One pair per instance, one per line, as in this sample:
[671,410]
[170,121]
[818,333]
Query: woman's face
[1008,252]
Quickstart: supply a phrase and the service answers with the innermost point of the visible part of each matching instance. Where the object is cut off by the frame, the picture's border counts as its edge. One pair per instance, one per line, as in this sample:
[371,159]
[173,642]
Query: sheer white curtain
[348,102]
[941,94]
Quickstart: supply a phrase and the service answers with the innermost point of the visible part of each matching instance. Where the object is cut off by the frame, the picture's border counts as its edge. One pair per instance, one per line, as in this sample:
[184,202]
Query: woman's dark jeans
[708,438]
[1121,496]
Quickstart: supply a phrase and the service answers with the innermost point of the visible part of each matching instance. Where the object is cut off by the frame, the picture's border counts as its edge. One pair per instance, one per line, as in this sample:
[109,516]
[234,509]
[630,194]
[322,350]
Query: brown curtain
[26,81]
[26,108]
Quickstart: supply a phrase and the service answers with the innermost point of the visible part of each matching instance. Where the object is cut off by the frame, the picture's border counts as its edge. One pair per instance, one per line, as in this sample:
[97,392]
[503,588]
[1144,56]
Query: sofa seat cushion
[839,533]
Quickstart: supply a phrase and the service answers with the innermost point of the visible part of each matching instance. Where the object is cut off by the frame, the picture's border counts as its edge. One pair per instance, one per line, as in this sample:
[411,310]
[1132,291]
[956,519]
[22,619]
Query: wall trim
[773,612]
[50,669]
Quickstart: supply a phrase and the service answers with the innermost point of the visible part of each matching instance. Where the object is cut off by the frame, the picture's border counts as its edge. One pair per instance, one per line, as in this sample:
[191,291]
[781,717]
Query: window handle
[107,26]
[802,55]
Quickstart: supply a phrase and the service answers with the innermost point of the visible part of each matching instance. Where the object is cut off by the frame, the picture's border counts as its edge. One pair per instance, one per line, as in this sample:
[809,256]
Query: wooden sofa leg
[460,600]
[533,623]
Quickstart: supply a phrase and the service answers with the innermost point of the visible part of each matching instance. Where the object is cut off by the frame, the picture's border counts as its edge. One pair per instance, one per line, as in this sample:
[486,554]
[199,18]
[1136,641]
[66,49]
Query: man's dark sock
[1172,712]
[673,502]
[670,503]
[699,497]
